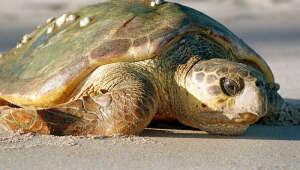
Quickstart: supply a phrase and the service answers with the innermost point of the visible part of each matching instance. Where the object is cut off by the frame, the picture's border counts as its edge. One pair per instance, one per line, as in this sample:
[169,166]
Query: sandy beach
[271,27]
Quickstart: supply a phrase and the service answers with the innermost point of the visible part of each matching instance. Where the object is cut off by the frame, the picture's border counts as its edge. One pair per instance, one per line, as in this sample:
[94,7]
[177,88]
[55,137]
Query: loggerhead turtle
[113,67]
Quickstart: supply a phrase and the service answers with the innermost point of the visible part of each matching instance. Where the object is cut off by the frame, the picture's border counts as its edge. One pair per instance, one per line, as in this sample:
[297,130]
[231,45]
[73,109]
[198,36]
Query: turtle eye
[231,87]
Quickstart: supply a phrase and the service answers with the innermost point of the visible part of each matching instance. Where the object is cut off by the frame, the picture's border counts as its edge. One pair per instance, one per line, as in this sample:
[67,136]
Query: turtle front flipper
[113,101]
[127,107]
[280,111]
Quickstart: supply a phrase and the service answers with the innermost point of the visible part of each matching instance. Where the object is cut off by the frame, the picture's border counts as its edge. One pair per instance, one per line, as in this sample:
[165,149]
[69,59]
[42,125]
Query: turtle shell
[45,69]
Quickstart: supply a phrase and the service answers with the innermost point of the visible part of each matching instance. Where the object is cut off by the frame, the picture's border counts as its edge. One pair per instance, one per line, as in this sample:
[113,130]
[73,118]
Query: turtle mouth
[246,118]
[229,124]
[237,119]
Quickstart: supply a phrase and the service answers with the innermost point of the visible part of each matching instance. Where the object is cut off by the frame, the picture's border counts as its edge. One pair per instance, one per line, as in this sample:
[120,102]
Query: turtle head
[223,97]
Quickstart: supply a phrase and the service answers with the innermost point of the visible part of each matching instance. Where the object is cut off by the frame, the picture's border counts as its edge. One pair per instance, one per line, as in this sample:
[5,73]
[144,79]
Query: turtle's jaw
[220,123]
[225,129]
[212,117]
[235,116]
[228,126]
[246,118]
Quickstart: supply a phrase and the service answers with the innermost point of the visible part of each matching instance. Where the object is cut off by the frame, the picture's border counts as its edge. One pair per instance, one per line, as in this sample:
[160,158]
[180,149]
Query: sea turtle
[113,67]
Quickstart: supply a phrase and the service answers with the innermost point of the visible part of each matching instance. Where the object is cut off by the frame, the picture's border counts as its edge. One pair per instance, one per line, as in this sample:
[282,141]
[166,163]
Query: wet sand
[270,28]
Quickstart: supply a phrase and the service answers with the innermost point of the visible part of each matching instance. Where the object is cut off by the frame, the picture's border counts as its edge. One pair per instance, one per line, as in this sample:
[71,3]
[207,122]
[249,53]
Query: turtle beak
[246,118]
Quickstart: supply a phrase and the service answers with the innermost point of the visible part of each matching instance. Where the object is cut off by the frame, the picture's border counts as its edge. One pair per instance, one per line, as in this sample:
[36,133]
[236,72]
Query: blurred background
[271,27]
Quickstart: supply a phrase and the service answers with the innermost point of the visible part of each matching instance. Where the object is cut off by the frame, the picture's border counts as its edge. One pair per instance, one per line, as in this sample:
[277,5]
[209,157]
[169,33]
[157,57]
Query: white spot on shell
[85,21]
[71,18]
[61,20]
[50,20]
[50,29]
[152,4]
[26,38]
[19,44]
[1,55]
[156,2]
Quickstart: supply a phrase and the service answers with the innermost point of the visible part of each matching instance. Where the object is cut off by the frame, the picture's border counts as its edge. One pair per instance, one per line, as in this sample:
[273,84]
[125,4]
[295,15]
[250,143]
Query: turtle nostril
[259,83]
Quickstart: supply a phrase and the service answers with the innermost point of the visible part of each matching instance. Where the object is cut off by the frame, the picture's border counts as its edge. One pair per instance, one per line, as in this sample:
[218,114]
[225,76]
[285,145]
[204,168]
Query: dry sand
[272,28]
